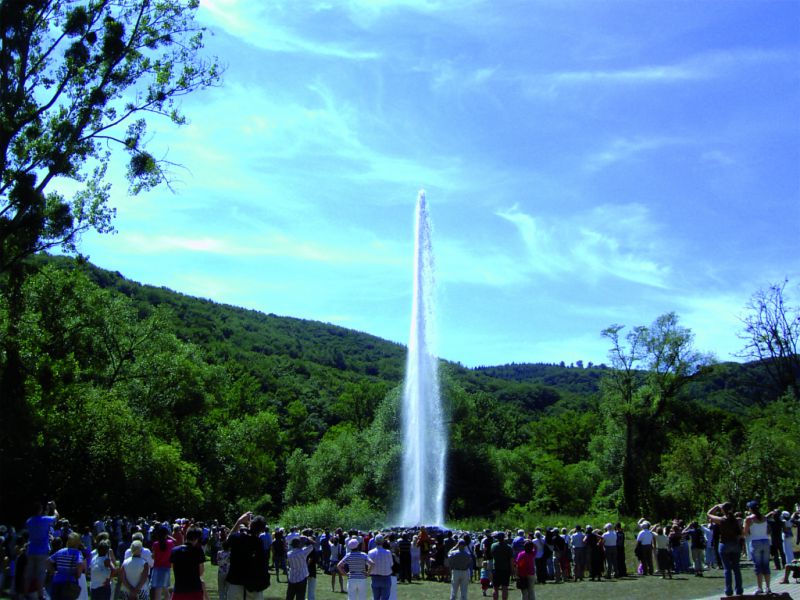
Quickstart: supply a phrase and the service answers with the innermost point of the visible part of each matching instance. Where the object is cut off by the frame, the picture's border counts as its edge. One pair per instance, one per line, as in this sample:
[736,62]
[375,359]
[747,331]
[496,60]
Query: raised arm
[715,518]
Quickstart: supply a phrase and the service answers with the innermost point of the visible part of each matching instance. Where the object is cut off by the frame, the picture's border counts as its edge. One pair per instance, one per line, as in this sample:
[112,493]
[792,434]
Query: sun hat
[352,543]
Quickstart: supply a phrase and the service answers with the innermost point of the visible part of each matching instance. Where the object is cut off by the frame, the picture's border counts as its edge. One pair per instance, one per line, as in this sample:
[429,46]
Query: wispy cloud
[620,243]
[705,66]
[622,149]
[251,22]
[275,244]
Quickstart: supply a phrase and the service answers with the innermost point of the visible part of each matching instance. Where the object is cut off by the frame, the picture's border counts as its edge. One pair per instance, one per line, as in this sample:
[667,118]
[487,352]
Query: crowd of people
[152,558]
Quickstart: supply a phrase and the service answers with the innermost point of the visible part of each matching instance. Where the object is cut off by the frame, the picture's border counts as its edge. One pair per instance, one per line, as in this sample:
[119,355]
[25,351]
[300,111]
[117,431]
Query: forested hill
[230,332]
[233,333]
[200,408]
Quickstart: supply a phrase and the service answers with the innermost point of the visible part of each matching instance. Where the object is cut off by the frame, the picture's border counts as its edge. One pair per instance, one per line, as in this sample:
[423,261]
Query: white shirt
[146,555]
[645,537]
[610,538]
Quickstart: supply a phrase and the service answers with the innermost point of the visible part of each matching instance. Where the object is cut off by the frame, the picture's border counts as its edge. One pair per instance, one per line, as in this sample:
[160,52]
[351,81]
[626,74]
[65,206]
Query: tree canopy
[78,81]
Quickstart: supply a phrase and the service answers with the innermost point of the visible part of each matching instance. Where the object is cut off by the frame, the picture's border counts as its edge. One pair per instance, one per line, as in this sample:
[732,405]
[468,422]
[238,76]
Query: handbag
[70,590]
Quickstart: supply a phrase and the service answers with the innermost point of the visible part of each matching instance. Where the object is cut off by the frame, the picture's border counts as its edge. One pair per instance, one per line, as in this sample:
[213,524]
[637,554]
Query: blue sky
[586,163]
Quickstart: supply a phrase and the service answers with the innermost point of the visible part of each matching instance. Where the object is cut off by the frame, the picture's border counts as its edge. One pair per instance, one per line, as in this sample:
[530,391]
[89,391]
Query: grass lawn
[681,587]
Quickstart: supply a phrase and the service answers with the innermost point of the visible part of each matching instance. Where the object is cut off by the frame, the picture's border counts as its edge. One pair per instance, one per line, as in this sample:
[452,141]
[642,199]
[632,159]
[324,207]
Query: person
[38,527]
[381,572]
[312,563]
[697,540]
[594,554]
[68,565]
[525,563]
[415,558]
[101,570]
[336,544]
[622,568]
[486,576]
[134,574]
[792,568]
[162,567]
[278,553]
[730,535]
[578,552]
[248,573]
[755,529]
[404,553]
[188,562]
[610,545]
[786,525]
[675,540]
[644,542]
[223,564]
[356,565]
[503,562]
[459,561]
[663,554]
[541,561]
[300,547]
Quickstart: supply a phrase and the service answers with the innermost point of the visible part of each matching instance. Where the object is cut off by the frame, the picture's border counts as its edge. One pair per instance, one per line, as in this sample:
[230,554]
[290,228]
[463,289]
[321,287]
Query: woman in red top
[525,563]
[162,549]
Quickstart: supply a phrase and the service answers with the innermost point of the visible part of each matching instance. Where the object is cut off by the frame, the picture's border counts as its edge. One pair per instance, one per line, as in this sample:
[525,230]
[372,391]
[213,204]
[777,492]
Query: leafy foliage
[188,406]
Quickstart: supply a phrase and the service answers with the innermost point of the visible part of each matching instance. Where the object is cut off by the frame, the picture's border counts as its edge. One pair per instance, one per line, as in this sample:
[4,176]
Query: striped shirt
[383,561]
[356,562]
[297,561]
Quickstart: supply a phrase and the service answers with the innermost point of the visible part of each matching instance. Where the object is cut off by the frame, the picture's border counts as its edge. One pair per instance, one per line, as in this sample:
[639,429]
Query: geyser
[424,433]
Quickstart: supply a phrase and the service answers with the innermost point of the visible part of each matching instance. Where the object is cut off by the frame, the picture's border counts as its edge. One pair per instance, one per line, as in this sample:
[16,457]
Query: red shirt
[161,555]
[526,564]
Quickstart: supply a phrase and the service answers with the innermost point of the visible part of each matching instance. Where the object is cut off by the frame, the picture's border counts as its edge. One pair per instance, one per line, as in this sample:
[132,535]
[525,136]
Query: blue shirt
[39,534]
[66,561]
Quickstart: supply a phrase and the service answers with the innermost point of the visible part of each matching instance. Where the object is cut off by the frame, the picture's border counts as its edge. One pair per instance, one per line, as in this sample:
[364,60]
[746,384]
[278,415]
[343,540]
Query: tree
[771,333]
[649,368]
[78,78]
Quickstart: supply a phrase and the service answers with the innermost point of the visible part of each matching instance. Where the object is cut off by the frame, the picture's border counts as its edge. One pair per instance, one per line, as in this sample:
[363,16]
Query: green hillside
[195,407]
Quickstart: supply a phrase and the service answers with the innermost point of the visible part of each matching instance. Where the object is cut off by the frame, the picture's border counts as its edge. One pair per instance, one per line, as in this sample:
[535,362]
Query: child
[224,563]
[486,576]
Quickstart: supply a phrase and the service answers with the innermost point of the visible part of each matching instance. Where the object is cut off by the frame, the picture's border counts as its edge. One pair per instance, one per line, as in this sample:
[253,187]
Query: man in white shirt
[610,544]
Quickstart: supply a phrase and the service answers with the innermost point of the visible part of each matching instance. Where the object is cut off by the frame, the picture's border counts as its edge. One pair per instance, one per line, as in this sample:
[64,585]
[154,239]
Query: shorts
[160,577]
[501,579]
[759,551]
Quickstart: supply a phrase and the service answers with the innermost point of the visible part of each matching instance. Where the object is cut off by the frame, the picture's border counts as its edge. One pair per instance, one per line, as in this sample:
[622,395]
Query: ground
[681,587]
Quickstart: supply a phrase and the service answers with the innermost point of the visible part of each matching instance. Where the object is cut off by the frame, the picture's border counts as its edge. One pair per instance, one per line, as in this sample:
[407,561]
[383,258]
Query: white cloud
[358,251]
[250,22]
[622,149]
[610,241]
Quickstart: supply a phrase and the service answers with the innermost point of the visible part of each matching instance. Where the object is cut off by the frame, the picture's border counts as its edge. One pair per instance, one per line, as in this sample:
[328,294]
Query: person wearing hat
[459,561]
[644,542]
[356,565]
[786,525]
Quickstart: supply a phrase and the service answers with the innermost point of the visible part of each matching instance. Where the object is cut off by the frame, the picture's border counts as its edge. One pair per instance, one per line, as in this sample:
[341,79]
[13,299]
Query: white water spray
[424,433]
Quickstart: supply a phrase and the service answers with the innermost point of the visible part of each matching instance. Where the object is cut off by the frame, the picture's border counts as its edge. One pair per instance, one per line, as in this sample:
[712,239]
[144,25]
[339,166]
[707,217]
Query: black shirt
[186,561]
[248,562]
